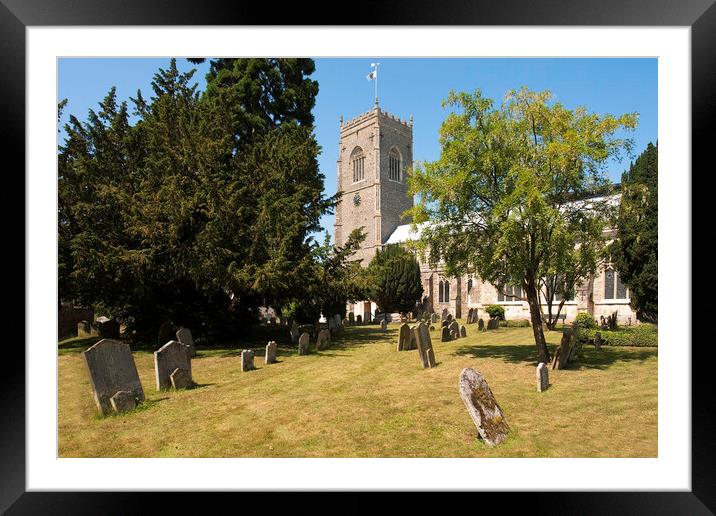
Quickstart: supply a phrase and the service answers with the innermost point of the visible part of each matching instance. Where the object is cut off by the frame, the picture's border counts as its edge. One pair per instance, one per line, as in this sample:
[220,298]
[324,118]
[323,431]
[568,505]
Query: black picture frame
[700,15]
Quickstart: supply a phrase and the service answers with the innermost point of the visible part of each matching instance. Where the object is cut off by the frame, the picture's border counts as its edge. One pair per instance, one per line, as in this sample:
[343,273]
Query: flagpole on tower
[373,75]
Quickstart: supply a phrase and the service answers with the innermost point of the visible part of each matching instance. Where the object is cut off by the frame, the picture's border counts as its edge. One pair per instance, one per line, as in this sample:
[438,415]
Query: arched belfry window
[394,164]
[358,164]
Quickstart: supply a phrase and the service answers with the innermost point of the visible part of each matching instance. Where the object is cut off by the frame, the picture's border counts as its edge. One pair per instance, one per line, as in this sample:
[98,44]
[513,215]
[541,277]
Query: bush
[495,312]
[642,335]
[585,321]
[516,323]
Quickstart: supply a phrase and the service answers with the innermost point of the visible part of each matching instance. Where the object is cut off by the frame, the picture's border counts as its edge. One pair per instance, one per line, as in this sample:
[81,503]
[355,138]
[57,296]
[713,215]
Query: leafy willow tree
[502,198]
[635,252]
[395,279]
[201,210]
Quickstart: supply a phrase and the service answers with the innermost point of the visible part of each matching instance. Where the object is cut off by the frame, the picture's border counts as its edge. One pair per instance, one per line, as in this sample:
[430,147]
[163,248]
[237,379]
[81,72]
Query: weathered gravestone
[107,328]
[171,356]
[123,401]
[454,330]
[449,318]
[481,325]
[463,331]
[598,341]
[487,415]
[542,377]
[247,360]
[351,318]
[561,356]
[303,342]
[164,334]
[181,379]
[359,320]
[294,333]
[493,323]
[404,337]
[433,318]
[270,356]
[444,314]
[445,324]
[332,325]
[384,325]
[84,329]
[425,345]
[323,339]
[445,334]
[111,369]
[470,314]
[184,336]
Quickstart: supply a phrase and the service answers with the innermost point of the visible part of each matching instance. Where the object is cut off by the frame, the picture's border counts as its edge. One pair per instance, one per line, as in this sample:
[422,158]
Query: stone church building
[375,149]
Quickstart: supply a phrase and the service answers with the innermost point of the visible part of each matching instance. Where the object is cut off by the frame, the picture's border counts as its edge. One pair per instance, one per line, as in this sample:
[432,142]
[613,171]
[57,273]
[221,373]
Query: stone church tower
[375,150]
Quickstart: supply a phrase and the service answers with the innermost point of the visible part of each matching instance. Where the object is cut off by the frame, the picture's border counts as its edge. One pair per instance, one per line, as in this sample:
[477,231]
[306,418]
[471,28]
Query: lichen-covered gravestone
[425,345]
[247,360]
[463,331]
[303,342]
[184,336]
[112,369]
[542,377]
[171,356]
[487,415]
[405,337]
[270,356]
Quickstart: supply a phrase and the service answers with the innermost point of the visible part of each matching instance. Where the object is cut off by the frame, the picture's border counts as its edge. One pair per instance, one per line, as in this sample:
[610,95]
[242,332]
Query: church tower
[375,150]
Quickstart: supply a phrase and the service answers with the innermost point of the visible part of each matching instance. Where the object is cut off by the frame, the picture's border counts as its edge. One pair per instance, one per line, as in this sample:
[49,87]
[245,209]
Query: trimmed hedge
[516,323]
[496,311]
[642,335]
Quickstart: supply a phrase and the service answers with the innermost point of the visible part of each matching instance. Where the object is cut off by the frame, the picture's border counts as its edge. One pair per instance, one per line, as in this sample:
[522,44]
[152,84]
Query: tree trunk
[536,318]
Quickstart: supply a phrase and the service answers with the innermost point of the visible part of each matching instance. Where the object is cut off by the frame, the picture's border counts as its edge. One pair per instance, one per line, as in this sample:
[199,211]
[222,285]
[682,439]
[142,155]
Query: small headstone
[445,335]
[164,334]
[444,314]
[493,323]
[111,369]
[404,337]
[463,331]
[107,328]
[383,325]
[172,355]
[123,401]
[323,339]
[247,360]
[432,328]
[425,345]
[359,320]
[181,379]
[454,330]
[480,325]
[351,318]
[184,336]
[270,356]
[84,329]
[482,407]
[542,377]
[303,342]
[433,318]
[598,341]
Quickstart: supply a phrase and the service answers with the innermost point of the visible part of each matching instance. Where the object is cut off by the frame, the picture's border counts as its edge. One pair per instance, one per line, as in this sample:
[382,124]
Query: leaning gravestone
[294,333]
[463,331]
[598,341]
[181,379]
[445,335]
[247,360]
[171,356]
[164,335]
[270,356]
[542,377]
[425,345]
[480,325]
[562,354]
[111,369]
[404,337]
[384,325]
[107,328]
[482,407]
[303,342]
[184,336]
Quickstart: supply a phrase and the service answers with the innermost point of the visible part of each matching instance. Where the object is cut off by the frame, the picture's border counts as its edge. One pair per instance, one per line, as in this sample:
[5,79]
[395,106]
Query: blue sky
[407,86]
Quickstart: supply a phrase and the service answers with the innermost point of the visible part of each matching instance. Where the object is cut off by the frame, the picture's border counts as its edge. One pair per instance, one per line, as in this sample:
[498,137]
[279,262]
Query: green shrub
[495,311]
[515,323]
[585,321]
[642,335]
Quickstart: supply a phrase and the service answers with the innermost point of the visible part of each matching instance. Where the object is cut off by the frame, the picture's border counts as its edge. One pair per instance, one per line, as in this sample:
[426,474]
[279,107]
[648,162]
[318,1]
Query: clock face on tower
[356,199]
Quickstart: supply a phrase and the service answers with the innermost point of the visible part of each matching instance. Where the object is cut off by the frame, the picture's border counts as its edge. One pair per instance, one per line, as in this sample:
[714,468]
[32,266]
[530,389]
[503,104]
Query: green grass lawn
[362,398]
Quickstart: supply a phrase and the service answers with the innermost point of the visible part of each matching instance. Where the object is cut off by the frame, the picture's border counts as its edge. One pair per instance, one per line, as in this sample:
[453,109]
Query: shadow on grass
[588,359]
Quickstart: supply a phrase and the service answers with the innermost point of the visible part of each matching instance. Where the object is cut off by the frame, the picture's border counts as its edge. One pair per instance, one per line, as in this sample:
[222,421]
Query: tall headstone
[565,348]
[172,355]
[270,356]
[247,360]
[112,369]
[482,406]
[332,325]
[184,336]
[542,377]
[351,318]
[454,330]
[445,334]
[412,341]
[404,337]
[470,314]
[480,325]
[425,345]
[323,339]
[463,331]
[303,342]
[359,320]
